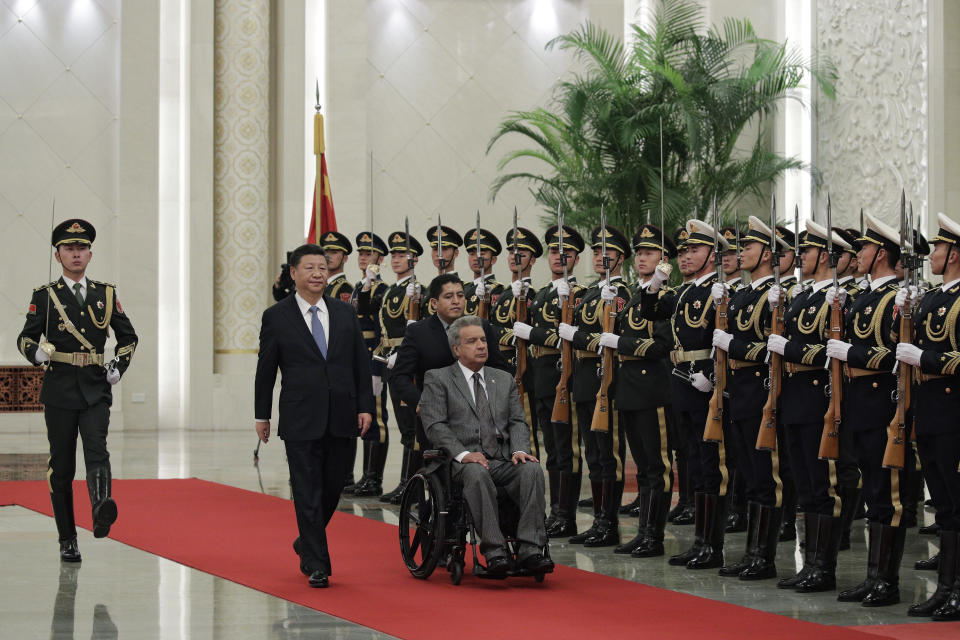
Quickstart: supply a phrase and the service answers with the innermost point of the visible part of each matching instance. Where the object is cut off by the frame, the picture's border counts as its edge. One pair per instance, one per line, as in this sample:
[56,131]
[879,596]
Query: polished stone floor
[122,592]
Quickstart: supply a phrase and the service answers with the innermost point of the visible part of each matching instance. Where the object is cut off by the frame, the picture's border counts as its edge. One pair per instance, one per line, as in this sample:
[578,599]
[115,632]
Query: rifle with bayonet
[561,401]
[483,307]
[601,409]
[441,263]
[830,438]
[413,305]
[767,436]
[895,452]
[521,313]
[713,430]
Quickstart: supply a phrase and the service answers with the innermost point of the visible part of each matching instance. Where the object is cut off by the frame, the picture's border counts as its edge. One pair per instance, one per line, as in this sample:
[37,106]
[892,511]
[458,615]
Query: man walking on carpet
[326,398]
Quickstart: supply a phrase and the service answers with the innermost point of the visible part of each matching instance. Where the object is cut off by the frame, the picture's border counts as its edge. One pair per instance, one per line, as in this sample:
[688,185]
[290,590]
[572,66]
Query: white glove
[113,376]
[41,356]
[832,294]
[481,290]
[410,322]
[518,287]
[904,292]
[722,339]
[718,290]
[608,293]
[522,330]
[377,384]
[368,277]
[392,360]
[563,288]
[413,290]
[909,353]
[797,288]
[660,275]
[609,340]
[773,296]
[566,331]
[776,343]
[701,382]
[837,349]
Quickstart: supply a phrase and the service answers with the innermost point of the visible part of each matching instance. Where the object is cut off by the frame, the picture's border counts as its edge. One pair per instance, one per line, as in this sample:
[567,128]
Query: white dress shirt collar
[699,281]
[949,285]
[823,284]
[468,374]
[71,283]
[879,282]
[759,281]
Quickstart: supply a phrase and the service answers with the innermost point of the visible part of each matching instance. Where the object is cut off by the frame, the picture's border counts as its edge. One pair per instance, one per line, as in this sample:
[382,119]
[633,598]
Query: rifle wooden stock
[413,309]
[830,438]
[601,409]
[895,452]
[521,346]
[713,429]
[767,437]
[561,402]
[483,309]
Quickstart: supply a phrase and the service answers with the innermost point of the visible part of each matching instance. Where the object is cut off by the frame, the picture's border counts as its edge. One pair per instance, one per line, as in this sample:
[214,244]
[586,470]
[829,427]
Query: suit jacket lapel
[293,309]
[461,384]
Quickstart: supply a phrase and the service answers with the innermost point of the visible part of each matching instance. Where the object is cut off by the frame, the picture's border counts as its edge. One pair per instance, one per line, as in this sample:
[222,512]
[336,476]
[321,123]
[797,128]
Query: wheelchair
[435,526]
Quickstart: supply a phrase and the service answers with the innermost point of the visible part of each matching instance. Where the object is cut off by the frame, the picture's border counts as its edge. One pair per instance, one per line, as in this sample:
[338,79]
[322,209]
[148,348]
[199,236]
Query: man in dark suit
[474,414]
[326,398]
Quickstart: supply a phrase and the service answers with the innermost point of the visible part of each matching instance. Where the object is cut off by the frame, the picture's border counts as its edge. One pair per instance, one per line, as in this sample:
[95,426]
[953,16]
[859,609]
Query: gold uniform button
[757,374]
[83,330]
[875,385]
[81,313]
[947,389]
[816,383]
[643,371]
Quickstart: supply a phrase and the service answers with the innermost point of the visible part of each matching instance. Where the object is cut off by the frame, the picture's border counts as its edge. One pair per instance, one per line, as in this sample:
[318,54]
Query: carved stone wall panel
[872,140]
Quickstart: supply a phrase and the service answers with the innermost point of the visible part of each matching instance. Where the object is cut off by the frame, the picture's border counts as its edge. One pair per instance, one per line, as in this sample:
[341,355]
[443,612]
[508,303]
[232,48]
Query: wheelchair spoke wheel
[421,525]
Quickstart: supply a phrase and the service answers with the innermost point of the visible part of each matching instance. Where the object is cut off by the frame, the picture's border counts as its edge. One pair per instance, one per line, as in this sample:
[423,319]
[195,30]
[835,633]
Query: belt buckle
[80,359]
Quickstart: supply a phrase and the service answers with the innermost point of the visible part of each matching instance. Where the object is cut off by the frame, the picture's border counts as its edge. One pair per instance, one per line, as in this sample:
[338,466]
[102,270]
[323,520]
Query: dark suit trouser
[940,455]
[760,469]
[563,444]
[646,430]
[317,469]
[63,426]
[524,484]
[816,479]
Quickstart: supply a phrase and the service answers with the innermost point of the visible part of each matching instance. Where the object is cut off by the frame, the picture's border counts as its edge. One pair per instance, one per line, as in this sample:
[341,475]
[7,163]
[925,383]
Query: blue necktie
[317,330]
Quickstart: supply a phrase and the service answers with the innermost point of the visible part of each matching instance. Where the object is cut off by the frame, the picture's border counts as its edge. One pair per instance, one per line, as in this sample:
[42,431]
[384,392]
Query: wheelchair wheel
[456,572]
[421,525]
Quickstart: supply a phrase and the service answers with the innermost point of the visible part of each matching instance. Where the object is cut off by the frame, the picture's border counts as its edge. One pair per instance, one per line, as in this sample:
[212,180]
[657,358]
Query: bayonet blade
[663,255]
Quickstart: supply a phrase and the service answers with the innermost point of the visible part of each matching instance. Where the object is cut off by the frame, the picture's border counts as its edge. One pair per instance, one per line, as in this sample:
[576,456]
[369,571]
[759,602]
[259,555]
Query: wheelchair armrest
[433,454]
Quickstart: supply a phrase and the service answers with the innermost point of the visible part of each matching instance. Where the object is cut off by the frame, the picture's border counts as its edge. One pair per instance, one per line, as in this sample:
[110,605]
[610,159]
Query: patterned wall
[59,84]
[241,172]
[873,139]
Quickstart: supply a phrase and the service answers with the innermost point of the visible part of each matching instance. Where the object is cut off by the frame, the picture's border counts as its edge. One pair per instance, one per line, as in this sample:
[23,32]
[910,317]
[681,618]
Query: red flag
[328,218]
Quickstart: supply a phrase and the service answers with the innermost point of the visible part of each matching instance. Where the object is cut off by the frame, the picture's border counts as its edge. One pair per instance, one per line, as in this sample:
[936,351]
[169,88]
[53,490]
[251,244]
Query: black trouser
[63,426]
[816,479]
[562,443]
[940,456]
[317,468]
[760,469]
[604,450]
[881,487]
[848,471]
[708,458]
[406,422]
[378,431]
[647,432]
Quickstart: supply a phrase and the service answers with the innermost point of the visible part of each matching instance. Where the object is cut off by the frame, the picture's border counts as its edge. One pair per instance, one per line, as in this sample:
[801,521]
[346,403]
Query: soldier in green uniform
[683,512]
[561,441]
[641,400]
[604,449]
[394,308]
[444,259]
[367,297]
[74,316]
[483,280]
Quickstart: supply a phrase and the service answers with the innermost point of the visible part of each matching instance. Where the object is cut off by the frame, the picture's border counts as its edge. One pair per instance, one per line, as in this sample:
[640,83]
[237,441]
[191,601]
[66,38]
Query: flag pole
[318,150]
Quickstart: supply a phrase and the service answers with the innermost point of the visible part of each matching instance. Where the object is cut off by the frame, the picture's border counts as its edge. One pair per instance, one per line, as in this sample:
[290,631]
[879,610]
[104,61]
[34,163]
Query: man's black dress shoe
[69,551]
[318,580]
[932,529]
[296,546]
[498,567]
[536,563]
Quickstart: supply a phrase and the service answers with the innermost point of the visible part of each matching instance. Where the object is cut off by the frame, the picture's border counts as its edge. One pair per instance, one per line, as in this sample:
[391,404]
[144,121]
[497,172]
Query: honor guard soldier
[935,354]
[74,315]
[683,512]
[803,404]
[847,271]
[394,307]
[745,340]
[443,259]
[560,440]
[691,314]
[870,337]
[605,448]
[367,297]
[483,283]
[731,259]
[641,400]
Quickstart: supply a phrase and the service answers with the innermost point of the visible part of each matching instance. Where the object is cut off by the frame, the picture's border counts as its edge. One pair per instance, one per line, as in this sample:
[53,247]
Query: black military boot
[929,564]
[823,576]
[372,484]
[931,529]
[946,577]
[684,493]
[608,532]
[750,548]
[363,478]
[714,528]
[553,486]
[681,559]
[807,531]
[643,522]
[764,564]
[62,502]
[788,528]
[414,463]
[565,525]
[404,476]
[596,491]
[849,497]
[886,588]
[874,532]
[737,518]
[104,508]
[652,545]
[950,609]
[632,508]
[348,480]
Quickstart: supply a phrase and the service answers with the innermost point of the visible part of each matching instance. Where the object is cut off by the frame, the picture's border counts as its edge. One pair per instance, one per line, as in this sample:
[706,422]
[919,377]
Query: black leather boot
[714,529]
[950,609]
[349,482]
[414,464]
[643,522]
[753,528]
[930,564]
[652,545]
[681,559]
[931,529]
[764,564]
[565,524]
[553,496]
[404,476]
[788,528]
[62,502]
[874,532]
[608,534]
[807,531]
[596,491]
[684,491]
[946,577]
[104,508]
[632,508]
[737,518]
[372,484]
[363,478]
[886,588]
[849,497]
[823,576]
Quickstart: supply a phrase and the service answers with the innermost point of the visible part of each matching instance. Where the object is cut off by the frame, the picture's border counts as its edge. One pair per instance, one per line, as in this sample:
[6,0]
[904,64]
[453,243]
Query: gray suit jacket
[449,414]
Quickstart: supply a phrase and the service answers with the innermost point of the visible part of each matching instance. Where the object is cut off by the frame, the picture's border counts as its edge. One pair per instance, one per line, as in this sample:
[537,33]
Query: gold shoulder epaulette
[45,286]
[101,282]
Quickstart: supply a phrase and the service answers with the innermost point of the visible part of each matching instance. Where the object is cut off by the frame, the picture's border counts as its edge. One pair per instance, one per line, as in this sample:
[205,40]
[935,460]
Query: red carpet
[245,537]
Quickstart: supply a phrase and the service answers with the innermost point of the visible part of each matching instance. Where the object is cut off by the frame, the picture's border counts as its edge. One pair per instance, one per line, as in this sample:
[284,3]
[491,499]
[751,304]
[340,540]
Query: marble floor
[122,592]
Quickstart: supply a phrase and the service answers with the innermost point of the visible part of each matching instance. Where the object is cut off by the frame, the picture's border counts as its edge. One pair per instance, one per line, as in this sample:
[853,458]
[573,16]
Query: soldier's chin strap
[873,260]
[706,260]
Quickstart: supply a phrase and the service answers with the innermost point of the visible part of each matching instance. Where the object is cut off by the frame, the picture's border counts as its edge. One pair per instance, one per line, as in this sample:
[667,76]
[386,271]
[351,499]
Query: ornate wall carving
[872,140]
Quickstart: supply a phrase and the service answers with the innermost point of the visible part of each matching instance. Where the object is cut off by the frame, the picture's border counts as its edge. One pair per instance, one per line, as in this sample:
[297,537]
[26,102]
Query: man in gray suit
[474,414]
